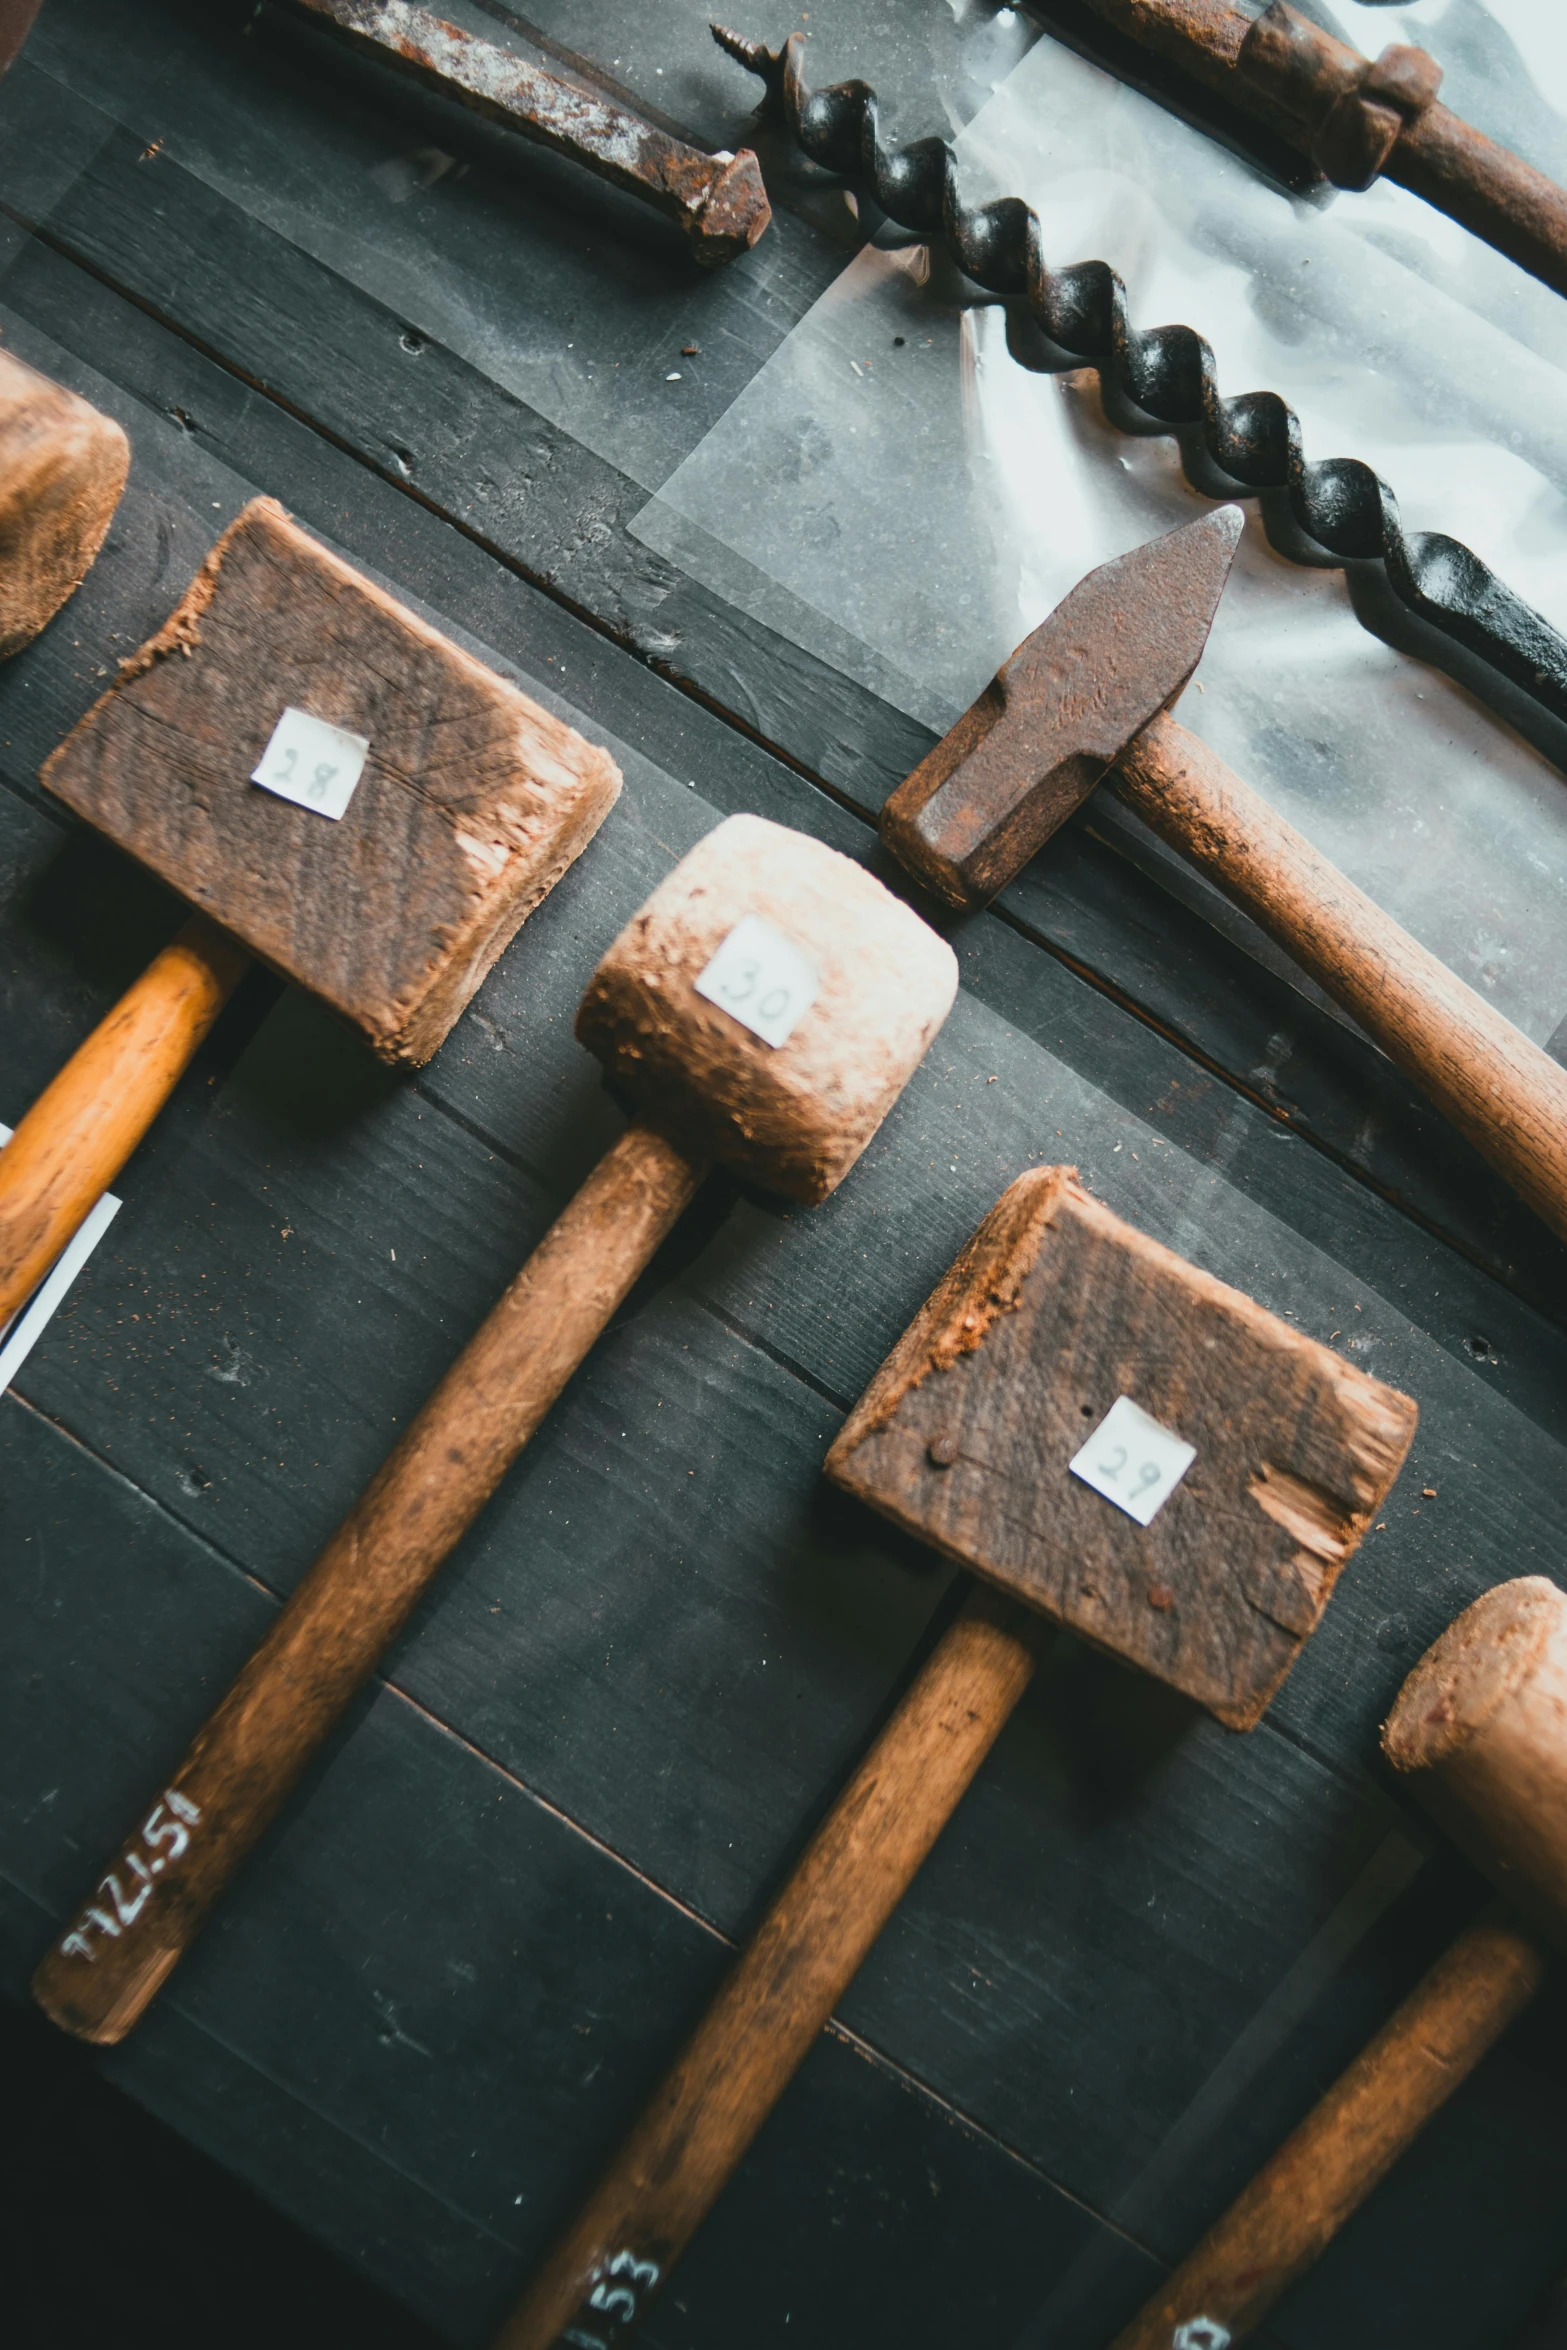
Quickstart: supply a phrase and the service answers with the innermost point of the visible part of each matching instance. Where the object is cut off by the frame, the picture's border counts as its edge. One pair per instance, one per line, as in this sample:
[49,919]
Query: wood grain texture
[1350,2140]
[618,2252]
[793,1116]
[83,1127]
[472,803]
[1480,1732]
[103,1973]
[62,469]
[1054,1310]
[1506,1095]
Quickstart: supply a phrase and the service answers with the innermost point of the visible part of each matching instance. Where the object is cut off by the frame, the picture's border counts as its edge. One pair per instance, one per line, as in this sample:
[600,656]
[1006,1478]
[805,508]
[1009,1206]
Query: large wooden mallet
[1480,1728]
[62,468]
[765,1008]
[1111,1440]
[341,792]
[1087,696]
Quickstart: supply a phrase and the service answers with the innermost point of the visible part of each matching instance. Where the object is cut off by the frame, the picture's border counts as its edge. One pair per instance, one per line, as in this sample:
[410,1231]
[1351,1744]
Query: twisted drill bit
[1168,372]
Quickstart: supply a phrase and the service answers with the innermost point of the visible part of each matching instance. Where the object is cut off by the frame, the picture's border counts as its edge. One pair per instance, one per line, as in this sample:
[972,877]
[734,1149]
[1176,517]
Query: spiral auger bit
[1254,440]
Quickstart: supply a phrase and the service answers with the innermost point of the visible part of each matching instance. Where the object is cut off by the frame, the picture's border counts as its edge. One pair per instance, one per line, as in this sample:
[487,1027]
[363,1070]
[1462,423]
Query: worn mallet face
[1021,759]
[470,803]
[997,1431]
[768,1004]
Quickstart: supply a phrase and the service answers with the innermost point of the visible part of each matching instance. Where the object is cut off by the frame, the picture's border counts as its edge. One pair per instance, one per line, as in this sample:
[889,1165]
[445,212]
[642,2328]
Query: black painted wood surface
[467,1949]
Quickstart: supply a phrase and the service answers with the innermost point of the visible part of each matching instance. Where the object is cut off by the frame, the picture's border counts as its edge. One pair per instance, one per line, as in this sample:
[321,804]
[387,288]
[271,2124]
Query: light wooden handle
[148,1908]
[86,1123]
[1503,1092]
[1351,2138]
[603,2274]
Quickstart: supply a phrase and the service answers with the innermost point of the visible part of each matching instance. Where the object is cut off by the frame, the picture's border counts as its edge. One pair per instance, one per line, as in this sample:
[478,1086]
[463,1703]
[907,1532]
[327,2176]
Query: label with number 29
[1133,1460]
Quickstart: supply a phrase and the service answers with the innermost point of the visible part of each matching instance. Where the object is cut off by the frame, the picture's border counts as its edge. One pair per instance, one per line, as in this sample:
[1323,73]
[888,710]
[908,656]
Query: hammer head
[1111,656]
[471,803]
[1011,1428]
[768,1005]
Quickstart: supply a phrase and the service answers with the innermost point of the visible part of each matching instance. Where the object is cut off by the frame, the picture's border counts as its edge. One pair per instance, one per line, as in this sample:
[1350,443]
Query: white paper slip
[312,763]
[1133,1461]
[762,980]
[21,1334]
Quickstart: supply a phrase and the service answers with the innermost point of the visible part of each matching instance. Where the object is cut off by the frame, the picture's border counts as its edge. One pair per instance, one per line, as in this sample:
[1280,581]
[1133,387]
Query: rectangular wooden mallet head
[1057,1310]
[471,802]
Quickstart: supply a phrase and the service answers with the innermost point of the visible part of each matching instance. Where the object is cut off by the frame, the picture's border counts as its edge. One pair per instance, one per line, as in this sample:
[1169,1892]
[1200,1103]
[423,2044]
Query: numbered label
[761,979]
[1133,1461]
[163,1838]
[311,763]
[1201,2333]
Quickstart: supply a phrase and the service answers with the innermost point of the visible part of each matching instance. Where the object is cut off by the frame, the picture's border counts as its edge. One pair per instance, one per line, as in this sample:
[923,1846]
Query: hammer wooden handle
[1301,2198]
[102,1973]
[87,1122]
[618,2252]
[1503,1092]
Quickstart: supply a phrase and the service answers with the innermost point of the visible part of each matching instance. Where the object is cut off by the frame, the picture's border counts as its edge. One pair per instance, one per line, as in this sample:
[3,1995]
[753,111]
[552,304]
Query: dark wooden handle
[101,1974]
[88,1120]
[603,2274]
[1301,2198]
[1503,1092]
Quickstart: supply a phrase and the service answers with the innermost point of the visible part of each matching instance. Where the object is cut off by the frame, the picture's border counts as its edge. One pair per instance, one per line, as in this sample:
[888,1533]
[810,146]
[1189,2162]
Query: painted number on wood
[762,980]
[311,763]
[126,1891]
[622,2287]
[1133,1461]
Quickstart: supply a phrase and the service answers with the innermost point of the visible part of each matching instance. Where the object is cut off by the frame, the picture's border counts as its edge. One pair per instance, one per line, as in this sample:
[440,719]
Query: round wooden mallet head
[1480,1729]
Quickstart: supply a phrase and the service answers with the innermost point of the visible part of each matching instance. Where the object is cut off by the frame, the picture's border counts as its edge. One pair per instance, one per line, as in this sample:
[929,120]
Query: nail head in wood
[471,804]
[1057,1308]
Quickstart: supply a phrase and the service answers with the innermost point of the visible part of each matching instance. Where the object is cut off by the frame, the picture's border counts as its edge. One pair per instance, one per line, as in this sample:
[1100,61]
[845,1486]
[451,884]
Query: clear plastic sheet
[895,490]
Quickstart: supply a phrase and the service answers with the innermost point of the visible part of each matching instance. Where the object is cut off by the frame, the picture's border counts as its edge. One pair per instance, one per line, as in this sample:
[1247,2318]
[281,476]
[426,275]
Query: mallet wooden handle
[102,1973]
[88,1120]
[1354,2134]
[601,2277]
[1503,1092]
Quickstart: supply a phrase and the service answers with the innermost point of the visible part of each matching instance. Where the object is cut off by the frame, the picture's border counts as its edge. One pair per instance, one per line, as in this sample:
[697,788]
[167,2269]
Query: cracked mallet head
[471,802]
[1009,1429]
[768,1005]
[1111,656]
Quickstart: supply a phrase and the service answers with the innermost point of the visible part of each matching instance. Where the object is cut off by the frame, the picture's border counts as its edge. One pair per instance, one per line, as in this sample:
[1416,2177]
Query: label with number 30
[312,763]
[1133,1461]
[761,979]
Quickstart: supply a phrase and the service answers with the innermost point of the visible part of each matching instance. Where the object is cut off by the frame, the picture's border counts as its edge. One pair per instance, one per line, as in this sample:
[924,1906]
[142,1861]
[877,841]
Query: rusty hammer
[1087,696]
[764,1009]
[1480,1729]
[1108,1438]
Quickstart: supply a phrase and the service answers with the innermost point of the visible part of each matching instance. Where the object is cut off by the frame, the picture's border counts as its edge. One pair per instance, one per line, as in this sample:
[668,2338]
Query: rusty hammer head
[768,1005]
[1149,1457]
[1480,1729]
[391,903]
[1021,759]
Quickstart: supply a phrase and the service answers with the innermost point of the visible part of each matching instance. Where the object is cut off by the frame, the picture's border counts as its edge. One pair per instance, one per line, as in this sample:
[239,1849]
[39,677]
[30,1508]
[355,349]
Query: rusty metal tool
[1477,1727]
[1254,440]
[1356,118]
[1087,696]
[717,200]
[1016,1427]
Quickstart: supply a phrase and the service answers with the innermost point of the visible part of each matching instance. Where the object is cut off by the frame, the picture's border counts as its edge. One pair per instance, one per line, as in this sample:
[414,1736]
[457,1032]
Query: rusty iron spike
[1059,713]
[718,200]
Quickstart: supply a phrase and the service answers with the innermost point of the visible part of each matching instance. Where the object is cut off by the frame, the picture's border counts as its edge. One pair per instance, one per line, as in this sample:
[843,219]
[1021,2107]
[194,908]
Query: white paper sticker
[311,763]
[762,980]
[1133,1461]
[21,1334]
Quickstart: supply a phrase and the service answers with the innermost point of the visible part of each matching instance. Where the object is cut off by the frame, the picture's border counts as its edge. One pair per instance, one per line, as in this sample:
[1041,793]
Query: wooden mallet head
[471,803]
[1480,1730]
[768,1005]
[62,468]
[980,1431]
[1059,713]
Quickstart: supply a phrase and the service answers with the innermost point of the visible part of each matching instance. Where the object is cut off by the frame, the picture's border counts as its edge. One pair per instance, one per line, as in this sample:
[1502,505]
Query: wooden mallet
[339,791]
[1087,696]
[62,468]
[765,1008]
[1111,1440]
[1480,1729]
